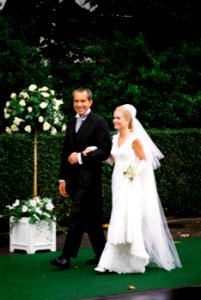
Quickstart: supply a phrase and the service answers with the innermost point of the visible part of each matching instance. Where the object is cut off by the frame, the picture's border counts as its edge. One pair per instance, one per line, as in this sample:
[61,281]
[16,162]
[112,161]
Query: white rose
[46,126]
[24,208]
[22,103]
[13,95]
[17,121]
[38,211]
[43,105]
[16,203]
[44,94]
[24,95]
[53,131]
[8,130]
[56,107]
[57,103]
[32,202]
[8,102]
[32,87]
[49,206]
[63,128]
[30,109]
[44,89]
[27,128]
[14,127]
[56,120]
[40,119]
[6,115]
[52,92]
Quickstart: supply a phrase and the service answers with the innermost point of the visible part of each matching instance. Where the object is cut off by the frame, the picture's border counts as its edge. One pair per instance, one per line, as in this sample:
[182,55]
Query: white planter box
[33,237]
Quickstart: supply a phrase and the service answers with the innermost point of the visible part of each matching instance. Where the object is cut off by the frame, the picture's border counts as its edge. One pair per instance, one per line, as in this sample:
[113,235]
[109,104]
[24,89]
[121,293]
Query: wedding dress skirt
[138,235]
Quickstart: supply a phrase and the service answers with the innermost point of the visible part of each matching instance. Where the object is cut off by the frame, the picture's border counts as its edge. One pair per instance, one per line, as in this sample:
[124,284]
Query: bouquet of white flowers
[130,171]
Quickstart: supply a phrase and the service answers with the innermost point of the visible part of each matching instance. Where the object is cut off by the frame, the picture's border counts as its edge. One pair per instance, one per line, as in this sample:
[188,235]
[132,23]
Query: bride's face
[119,120]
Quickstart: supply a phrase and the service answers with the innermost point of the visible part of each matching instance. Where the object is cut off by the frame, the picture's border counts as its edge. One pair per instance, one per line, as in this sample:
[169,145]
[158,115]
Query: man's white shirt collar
[84,116]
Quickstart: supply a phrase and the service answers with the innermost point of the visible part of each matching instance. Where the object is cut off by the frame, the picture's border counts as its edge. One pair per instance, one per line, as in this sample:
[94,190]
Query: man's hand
[73,158]
[62,189]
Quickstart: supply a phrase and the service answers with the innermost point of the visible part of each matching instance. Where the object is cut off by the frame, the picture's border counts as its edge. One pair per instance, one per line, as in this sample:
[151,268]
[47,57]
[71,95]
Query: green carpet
[31,277]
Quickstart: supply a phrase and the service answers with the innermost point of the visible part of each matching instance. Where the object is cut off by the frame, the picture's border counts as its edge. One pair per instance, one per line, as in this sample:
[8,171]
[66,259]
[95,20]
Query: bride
[138,234]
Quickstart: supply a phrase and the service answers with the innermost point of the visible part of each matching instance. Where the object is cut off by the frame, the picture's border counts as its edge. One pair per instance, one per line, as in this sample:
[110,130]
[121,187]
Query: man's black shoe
[61,262]
[93,261]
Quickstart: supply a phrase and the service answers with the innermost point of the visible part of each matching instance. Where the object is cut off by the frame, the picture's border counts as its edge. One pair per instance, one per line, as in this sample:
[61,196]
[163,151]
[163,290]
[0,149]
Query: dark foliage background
[146,53]
[143,52]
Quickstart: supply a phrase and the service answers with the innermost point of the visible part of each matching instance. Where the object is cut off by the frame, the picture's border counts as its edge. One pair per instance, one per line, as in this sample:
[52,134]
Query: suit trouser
[86,214]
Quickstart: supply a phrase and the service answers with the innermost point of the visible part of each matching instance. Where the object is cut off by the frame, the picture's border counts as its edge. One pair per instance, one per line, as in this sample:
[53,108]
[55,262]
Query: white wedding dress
[138,235]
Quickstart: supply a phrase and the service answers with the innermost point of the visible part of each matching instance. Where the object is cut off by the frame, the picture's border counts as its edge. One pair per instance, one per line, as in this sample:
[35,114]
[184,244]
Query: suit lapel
[71,130]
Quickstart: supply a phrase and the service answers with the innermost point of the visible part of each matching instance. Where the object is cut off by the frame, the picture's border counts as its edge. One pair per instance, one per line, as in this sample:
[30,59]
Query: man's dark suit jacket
[93,132]
[84,182]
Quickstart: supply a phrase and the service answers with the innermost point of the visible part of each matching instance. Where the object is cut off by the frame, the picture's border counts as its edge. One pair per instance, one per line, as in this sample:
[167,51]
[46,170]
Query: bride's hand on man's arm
[110,160]
[88,150]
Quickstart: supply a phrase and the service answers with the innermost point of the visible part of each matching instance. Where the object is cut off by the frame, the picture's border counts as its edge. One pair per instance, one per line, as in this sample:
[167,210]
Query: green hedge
[178,179]
[162,83]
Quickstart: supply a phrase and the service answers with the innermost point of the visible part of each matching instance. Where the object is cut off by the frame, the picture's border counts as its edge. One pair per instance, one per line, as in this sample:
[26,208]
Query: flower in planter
[40,210]
[34,108]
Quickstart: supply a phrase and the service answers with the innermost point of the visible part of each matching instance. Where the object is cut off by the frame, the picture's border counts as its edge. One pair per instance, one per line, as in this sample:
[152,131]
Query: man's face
[81,103]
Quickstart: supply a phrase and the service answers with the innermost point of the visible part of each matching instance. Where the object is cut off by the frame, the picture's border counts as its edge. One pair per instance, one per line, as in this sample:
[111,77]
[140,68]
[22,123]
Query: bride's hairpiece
[152,152]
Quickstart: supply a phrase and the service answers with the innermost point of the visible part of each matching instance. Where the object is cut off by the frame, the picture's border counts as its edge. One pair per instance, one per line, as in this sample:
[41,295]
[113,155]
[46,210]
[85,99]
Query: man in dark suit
[80,177]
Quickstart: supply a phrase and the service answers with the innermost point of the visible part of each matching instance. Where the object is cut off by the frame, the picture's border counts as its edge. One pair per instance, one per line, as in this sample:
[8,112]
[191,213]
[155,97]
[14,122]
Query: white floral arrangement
[34,108]
[130,171]
[39,209]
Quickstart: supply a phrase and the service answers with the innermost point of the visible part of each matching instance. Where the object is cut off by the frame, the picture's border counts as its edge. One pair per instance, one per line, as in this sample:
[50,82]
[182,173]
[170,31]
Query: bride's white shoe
[100,270]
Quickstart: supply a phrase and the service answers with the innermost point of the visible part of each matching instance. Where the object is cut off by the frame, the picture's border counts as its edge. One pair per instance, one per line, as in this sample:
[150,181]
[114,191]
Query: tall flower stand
[32,237]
